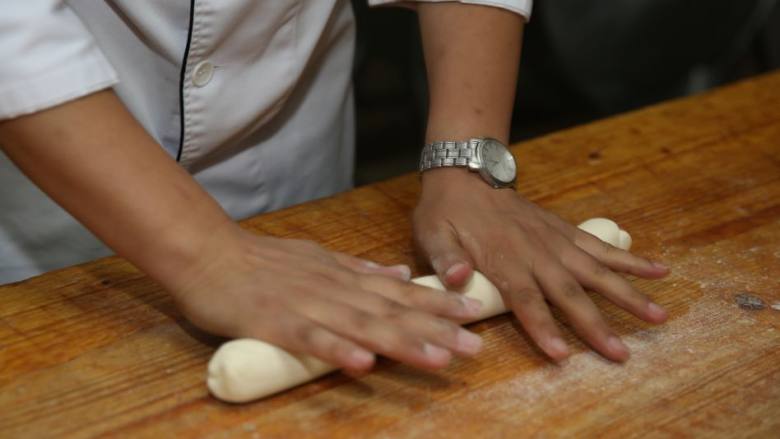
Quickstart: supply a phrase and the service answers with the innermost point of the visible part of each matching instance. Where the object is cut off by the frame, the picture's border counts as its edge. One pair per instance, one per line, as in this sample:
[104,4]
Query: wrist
[187,250]
[488,157]
[451,180]
[444,125]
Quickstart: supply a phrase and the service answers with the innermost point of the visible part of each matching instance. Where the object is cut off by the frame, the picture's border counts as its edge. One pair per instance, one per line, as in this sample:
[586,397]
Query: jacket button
[202,73]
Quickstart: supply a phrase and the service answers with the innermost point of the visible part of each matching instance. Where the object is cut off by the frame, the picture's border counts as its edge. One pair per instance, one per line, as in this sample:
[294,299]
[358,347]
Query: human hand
[531,255]
[306,299]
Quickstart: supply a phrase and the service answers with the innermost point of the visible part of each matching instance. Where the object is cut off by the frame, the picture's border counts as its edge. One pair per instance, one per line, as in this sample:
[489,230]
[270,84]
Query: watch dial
[498,161]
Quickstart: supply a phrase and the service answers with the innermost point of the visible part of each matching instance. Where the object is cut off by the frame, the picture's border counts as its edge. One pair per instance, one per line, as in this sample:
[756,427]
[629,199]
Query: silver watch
[489,157]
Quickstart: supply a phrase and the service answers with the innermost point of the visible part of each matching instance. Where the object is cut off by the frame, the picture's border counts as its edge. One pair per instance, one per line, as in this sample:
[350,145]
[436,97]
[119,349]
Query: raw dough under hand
[248,369]
[607,231]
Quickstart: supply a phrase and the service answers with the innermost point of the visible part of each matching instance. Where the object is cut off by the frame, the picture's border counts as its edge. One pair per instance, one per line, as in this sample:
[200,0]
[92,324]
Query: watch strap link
[446,153]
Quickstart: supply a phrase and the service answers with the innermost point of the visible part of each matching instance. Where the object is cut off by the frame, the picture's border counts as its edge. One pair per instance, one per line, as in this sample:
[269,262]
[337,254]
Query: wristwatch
[489,157]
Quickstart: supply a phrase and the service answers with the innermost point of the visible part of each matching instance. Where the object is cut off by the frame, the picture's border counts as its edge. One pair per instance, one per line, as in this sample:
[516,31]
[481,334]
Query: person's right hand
[304,298]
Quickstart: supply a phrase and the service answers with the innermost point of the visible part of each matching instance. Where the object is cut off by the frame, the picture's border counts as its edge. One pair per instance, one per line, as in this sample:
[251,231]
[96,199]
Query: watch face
[498,161]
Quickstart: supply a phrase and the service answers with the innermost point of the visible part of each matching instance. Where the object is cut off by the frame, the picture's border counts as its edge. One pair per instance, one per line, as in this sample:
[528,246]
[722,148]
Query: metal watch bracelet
[447,153]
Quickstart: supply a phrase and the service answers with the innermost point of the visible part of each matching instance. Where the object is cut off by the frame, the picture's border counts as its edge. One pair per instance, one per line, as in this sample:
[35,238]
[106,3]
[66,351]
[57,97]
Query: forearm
[95,160]
[472,56]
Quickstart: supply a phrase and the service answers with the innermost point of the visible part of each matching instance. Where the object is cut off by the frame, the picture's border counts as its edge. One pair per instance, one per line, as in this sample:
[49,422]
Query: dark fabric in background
[582,60]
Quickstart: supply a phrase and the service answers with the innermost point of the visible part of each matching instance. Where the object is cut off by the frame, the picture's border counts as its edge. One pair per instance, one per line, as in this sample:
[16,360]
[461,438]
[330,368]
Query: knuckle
[444,303]
[328,276]
[600,270]
[344,276]
[449,301]
[447,330]
[359,320]
[582,237]
[594,323]
[393,310]
[333,346]
[407,289]
[491,263]
[524,296]
[323,278]
[393,341]
[571,290]
[305,334]
[424,229]
[607,248]
[440,332]
[362,280]
[429,298]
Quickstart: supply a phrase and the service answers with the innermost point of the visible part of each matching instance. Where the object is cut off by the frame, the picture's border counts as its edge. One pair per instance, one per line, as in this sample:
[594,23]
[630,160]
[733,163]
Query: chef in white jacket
[156,124]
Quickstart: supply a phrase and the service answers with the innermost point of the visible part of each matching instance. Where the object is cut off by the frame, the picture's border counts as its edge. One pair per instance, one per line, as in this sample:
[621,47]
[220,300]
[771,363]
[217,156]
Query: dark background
[582,60]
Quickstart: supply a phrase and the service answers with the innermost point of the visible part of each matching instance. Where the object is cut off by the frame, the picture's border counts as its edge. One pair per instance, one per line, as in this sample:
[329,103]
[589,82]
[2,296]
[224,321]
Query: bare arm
[472,54]
[98,162]
[95,160]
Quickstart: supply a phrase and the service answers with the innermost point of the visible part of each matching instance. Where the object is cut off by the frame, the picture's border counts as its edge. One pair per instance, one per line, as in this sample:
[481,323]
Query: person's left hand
[530,254]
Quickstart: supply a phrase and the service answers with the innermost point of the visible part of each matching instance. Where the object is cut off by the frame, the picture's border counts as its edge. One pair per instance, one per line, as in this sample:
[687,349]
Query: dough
[607,231]
[247,369]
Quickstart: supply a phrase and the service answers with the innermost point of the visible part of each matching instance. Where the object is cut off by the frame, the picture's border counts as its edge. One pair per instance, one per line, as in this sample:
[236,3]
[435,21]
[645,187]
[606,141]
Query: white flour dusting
[684,349]
[667,360]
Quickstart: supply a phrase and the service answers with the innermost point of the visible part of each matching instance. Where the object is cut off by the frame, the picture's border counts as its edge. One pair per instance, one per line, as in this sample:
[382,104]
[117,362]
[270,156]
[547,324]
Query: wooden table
[100,349]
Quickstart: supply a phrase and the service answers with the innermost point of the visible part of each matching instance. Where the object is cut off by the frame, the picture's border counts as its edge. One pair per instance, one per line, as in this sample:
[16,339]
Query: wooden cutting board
[100,349]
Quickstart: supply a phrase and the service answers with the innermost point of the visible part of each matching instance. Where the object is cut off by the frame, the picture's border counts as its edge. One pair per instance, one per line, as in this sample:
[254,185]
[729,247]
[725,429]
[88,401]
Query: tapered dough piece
[246,369]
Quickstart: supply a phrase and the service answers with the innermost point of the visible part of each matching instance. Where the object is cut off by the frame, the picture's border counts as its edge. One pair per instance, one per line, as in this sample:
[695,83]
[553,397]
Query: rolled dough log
[247,369]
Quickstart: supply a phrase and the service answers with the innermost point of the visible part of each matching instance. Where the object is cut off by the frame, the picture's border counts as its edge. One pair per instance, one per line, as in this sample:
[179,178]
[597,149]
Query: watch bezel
[486,171]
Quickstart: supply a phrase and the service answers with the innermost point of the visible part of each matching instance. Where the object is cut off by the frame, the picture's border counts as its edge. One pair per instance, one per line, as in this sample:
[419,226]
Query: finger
[567,294]
[440,303]
[527,303]
[438,331]
[302,335]
[360,265]
[594,275]
[618,259]
[376,333]
[448,258]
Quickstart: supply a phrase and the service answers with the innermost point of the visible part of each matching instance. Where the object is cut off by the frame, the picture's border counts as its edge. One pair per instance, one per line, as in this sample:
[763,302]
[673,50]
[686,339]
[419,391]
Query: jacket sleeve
[47,57]
[522,7]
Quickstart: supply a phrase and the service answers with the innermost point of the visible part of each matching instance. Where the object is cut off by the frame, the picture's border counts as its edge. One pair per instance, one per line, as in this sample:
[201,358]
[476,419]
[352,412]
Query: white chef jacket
[254,98]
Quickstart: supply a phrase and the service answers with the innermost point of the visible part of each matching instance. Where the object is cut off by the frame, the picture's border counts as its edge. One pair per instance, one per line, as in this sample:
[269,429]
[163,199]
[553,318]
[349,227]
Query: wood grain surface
[99,349]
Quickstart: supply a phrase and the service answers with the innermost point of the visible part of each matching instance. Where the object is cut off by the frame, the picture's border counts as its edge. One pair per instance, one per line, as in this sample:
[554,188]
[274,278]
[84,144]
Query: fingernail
[454,269]
[656,311]
[472,305]
[616,346]
[660,266]
[361,358]
[557,347]
[404,270]
[468,342]
[436,354]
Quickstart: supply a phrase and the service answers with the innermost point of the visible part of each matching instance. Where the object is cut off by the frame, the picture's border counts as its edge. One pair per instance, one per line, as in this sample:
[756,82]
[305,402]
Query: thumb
[447,256]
